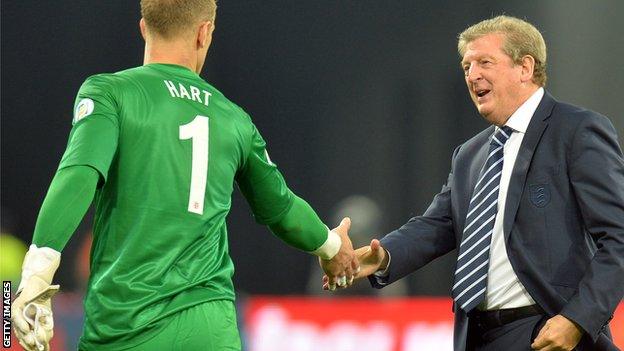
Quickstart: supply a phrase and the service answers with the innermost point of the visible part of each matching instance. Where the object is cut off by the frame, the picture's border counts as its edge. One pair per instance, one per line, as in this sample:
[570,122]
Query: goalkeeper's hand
[32,309]
[344,265]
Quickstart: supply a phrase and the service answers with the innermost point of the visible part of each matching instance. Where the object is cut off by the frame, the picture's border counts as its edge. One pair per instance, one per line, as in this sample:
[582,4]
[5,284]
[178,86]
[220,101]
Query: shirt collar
[519,120]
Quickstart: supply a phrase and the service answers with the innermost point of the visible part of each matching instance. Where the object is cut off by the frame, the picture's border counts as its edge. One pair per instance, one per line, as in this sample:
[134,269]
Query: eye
[485,62]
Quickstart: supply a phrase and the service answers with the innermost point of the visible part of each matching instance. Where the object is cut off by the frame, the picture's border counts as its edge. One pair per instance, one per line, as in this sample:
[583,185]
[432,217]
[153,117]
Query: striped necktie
[474,250]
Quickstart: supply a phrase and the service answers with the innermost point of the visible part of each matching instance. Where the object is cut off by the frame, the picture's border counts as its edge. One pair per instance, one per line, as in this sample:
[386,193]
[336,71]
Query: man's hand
[558,334]
[342,268]
[371,259]
[32,310]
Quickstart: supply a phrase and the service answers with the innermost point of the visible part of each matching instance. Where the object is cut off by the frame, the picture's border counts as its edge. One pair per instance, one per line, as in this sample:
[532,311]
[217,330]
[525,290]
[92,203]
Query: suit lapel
[470,174]
[479,163]
[535,130]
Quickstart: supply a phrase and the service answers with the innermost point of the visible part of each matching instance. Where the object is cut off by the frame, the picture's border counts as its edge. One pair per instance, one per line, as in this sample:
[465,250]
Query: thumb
[375,245]
[345,225]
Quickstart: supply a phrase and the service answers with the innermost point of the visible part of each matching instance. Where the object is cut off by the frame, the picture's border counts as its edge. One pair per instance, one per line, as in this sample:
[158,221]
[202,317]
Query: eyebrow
[462,62]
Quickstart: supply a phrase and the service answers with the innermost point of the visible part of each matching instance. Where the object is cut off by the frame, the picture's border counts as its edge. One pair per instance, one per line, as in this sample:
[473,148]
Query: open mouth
[482,92]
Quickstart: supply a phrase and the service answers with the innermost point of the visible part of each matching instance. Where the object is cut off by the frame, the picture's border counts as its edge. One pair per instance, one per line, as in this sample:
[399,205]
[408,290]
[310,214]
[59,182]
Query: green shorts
[209,326]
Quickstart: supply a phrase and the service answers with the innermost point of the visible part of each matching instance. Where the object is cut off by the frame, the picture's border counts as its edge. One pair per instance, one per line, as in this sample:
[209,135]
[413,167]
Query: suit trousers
[515,336]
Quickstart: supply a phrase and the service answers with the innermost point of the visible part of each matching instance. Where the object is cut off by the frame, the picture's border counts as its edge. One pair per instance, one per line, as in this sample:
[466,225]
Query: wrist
[382,269]
[330,247]
[385,261]
[40,262]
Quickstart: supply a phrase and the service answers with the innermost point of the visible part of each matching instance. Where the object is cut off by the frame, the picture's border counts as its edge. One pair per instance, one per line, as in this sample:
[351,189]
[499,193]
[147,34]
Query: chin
[484,112]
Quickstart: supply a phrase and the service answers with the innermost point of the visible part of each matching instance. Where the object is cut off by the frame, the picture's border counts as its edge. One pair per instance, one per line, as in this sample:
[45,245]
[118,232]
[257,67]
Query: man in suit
[534,204]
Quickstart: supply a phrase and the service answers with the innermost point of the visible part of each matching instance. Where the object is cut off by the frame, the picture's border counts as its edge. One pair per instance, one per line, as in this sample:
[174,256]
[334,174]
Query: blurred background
[361,103]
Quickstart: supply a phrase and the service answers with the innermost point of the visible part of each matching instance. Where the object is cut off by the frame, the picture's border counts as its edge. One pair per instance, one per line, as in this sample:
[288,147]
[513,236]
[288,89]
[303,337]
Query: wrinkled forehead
[490,45]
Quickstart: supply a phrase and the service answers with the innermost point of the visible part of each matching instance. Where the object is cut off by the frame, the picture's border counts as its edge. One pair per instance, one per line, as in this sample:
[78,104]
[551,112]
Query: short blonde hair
[172,17]
[521,39]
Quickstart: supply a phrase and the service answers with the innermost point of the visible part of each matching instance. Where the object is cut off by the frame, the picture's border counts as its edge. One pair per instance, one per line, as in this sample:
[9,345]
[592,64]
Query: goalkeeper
[158,150]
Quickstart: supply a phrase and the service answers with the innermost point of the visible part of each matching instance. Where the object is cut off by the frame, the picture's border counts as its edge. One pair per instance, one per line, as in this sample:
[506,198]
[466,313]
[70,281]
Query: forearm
[594,302]
[69,197]
[600,197]
[301,227]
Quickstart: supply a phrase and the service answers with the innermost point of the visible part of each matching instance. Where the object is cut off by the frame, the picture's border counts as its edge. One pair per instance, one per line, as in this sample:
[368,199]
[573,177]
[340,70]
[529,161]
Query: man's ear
[528,67]
[204,34]
[143,29]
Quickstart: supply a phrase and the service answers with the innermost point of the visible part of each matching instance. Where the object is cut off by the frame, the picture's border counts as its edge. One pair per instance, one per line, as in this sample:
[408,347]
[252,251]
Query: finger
[378,250]
[548,347]
[540,341]
[341,281]
[348,281]
[346,223]
[21,325]
[537,343]
[355,265]
[344,280]
[362,251]
[21,339]
[325,282]
[349,273]
[41,336]
[337,280]
[332,282]
[344,226]
[29,340]
[375,245]
[25,346]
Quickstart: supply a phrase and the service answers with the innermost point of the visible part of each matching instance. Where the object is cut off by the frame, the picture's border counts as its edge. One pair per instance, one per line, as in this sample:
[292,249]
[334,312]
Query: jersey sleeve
[69,197]
[262,184]
[289,217]
[95,132]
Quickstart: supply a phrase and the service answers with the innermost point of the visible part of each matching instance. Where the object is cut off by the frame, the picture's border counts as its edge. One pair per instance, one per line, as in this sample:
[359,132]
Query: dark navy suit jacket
[564,219]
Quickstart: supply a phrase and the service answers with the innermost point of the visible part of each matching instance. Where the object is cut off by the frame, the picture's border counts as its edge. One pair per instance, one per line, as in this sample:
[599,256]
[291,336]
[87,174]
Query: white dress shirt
[504,289]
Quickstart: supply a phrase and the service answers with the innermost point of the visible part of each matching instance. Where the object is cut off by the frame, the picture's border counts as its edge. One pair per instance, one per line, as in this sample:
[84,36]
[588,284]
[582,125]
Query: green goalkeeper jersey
[168,147]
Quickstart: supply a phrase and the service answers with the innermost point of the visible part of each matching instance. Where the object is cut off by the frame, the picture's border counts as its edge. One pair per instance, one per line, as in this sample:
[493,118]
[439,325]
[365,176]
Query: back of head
[171,18]
[521,39]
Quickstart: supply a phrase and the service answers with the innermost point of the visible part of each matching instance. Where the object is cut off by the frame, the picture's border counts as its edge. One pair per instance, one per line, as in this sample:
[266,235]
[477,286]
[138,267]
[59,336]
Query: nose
[473,73]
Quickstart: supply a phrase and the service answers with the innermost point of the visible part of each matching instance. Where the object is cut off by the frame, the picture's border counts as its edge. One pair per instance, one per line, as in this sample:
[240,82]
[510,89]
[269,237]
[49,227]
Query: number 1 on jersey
[197,131]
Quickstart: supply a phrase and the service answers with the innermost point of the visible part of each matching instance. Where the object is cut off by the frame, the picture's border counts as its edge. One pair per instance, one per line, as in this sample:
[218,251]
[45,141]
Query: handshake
[348,264]
[32,312]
